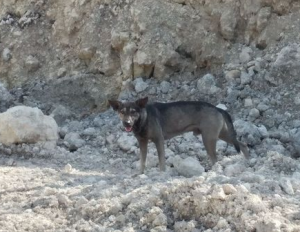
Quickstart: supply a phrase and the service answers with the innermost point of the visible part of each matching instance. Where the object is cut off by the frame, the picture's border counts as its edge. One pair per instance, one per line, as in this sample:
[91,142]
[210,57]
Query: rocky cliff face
[86,48]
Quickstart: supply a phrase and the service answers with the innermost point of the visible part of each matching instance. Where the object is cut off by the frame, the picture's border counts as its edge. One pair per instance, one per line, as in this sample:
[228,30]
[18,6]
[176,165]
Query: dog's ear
[115,104]
[142,102]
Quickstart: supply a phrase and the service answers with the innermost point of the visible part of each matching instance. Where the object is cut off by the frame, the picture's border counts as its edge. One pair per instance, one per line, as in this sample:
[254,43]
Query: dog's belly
[179,131]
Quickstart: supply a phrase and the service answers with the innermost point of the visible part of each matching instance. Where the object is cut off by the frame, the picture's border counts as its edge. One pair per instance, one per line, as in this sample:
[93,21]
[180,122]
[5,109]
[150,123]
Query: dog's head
[129,112]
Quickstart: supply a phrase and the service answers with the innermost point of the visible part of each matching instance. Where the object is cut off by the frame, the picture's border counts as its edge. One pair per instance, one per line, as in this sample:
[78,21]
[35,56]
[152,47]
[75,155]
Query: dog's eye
[133,111]
[122,111]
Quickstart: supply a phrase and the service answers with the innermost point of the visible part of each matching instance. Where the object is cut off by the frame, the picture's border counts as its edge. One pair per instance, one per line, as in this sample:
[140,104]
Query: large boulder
[22,124]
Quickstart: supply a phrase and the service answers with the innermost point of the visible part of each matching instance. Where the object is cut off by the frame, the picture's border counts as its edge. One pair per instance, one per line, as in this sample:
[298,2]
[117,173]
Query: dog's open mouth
[128,128]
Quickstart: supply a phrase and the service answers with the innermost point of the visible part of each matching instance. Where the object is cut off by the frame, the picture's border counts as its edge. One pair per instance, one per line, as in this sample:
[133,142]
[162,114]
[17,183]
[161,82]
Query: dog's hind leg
[159,143]
[143,143]
[210,144]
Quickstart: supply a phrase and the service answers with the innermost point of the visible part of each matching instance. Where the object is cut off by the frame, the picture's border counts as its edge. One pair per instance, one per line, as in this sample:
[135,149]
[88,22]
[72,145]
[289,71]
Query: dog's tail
[231,129]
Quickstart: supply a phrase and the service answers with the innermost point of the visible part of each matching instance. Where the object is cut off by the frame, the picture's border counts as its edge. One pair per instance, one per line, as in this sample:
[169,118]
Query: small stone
[74,141]
[6,54]
[68,168]
[263,131]
[87,53]
[229,189]
[262,107]
[254,113]
[91,131]
[61,72]
[248,102]
[245,56]
[218,194]
[245,78]
[63,200]
[188,167]
[207,84]
[140,85]
[286,185]
[221,106]
[232,75]
[126,142]
[80,202]
[32,64]
[49,191]
[165,86]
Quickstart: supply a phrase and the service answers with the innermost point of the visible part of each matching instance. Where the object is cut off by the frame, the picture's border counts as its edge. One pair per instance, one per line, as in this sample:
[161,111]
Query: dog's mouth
[128,128]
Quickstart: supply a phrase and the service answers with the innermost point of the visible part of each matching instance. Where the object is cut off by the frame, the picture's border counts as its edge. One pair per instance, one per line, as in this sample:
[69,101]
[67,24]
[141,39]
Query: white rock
[6,54]
[229,189]
[222,106]
[187,167]
[68,168]
[22,124]
[218,193]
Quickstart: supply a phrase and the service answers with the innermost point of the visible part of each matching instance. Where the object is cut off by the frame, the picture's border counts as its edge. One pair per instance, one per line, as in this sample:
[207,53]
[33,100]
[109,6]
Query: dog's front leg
[143,143]
[159,143]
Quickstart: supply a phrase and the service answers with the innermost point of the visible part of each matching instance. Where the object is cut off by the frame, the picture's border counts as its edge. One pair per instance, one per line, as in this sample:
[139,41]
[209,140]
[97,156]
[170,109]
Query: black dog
[160,121]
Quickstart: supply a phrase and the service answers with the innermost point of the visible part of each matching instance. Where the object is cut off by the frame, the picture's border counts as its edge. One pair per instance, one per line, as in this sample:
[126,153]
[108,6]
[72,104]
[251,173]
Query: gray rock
[188,167]
[245,78]
[262,18]
[287,63]
[245,55]
[61,72]
[248,131]
[87,53]
[91,132]
[61,114]
[165,86]
[32,64]
[286,185]
[140,85]
[228,22]
[262,107]
[254,113]
[126,142]
[74,141]
[207,84]
[263,131]
[232,75]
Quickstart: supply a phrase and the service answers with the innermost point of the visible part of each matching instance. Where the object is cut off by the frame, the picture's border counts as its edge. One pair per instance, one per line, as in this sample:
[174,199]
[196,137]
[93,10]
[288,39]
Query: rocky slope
[68,57]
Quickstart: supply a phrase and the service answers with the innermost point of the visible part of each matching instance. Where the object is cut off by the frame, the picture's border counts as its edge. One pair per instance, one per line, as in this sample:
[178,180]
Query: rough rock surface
[68,57]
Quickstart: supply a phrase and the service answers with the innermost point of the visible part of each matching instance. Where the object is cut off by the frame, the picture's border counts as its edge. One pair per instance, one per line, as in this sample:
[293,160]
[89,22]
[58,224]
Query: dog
[161,121]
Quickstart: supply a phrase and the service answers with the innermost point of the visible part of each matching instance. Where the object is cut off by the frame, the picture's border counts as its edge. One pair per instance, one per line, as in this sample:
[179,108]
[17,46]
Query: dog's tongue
[128,129]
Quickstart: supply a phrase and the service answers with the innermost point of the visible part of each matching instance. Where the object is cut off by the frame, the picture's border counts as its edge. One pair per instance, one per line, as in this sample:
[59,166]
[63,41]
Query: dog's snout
[126,124]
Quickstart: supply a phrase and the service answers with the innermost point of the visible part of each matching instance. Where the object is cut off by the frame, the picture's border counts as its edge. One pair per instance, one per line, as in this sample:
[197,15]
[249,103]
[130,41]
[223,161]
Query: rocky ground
[88,181]
[241,57]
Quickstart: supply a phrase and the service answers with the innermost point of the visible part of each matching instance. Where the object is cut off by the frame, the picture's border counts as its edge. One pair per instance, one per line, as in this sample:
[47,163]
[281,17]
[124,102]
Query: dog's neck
[139,126]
